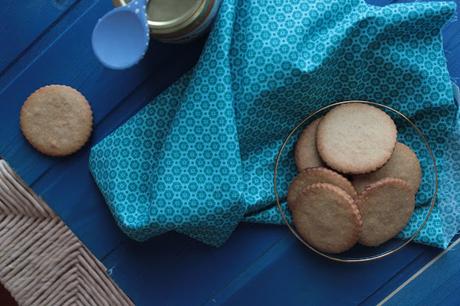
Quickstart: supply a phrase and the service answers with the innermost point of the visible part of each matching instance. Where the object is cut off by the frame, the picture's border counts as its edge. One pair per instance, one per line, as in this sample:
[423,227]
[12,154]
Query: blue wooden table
[48,41]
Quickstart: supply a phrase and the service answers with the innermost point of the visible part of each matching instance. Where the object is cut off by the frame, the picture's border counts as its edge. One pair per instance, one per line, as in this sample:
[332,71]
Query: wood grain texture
[32,18]
[48,41]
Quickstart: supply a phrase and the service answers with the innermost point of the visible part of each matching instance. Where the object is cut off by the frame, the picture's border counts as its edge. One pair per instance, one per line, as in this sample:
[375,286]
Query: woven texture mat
[41,261]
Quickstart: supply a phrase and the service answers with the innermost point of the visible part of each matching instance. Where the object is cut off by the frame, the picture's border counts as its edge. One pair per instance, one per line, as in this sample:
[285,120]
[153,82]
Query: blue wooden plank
[69,60]
[174,270]
[439,284]
[258,264]
[290,275]
[421,260]
[42,42]
[23,22]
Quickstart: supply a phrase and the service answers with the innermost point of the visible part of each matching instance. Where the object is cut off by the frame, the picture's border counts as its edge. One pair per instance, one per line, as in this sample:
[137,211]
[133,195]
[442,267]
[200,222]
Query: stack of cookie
[356,183]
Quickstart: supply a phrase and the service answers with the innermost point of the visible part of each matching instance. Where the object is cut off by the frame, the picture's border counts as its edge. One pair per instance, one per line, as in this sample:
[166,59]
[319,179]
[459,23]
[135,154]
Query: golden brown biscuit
[56,120]
[385,207]
[312,176]
[326,217]
[356,138]
[403,164]
[306,154]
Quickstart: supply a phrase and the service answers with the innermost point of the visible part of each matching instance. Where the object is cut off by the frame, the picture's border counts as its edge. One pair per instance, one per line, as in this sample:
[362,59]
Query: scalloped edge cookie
[315,175]
[327,218]
[56,120]
[356,138]
[305,154]
[403,164]
[386,207]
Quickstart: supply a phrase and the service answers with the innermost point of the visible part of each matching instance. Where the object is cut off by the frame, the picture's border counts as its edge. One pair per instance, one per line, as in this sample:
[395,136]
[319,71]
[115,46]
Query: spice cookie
[385,207]
[56,120]
[312,176]
[326,217]
[403,164]
[306,154]
[356,138]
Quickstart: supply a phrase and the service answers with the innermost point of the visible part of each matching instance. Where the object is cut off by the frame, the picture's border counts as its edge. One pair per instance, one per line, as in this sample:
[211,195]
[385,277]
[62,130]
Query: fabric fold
[199,158]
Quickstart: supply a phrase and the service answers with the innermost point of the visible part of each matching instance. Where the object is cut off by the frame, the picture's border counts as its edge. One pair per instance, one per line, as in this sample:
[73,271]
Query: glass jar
[177,21]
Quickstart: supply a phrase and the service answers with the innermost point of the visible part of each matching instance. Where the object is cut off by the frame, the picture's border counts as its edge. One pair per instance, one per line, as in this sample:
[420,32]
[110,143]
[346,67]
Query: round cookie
[356,138]
[326,217]
[306,154]
[385,207]
[56,120]
[403,164]
[312,176]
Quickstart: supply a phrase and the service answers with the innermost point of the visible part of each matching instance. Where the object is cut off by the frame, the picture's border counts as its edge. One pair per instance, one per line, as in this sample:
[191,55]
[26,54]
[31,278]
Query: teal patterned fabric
[199,158]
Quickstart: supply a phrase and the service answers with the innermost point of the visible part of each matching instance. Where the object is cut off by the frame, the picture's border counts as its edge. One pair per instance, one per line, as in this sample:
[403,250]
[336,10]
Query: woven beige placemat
[41,261]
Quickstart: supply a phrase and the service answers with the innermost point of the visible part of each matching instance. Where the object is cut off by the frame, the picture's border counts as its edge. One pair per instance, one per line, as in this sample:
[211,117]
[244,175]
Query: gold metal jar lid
[169,19]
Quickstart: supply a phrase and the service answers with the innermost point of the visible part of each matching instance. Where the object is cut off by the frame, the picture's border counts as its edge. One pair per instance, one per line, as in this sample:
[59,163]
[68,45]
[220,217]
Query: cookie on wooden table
[403,164]
[326,217]
[306,154]
[312,176]
[385,206]
[56,120]
[356,138]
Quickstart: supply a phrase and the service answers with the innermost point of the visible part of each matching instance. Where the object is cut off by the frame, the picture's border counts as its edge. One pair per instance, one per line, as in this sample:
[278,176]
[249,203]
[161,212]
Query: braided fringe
[41,261]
